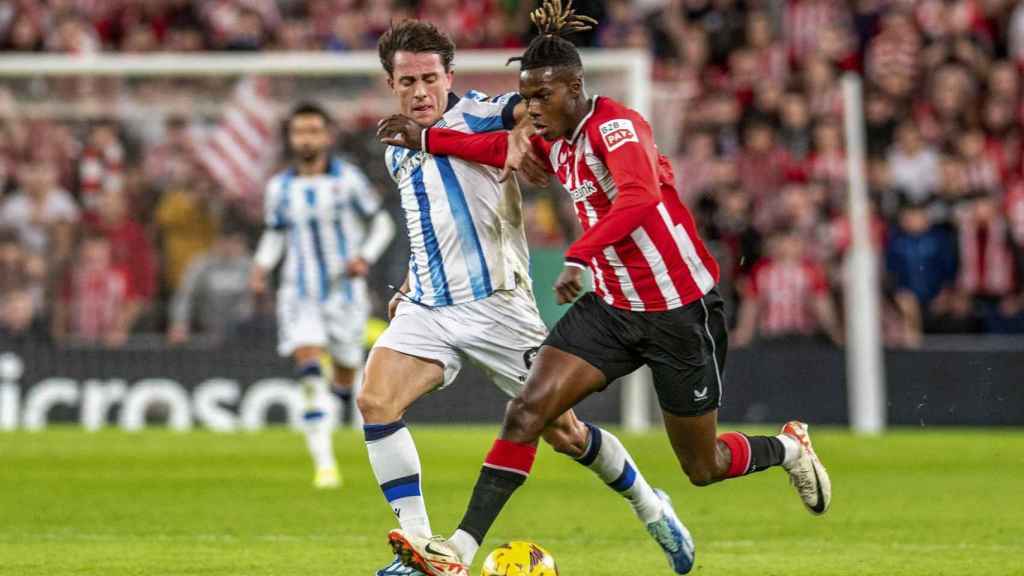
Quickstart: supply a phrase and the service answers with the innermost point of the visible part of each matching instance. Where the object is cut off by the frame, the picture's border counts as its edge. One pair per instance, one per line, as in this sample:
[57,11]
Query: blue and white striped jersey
[324,218]
[463,246]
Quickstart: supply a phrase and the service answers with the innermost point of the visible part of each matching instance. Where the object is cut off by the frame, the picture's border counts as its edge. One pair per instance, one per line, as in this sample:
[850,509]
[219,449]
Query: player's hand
[569,284]
[393,306]
[357,268]
[257,281]
[398,130]
[522,159]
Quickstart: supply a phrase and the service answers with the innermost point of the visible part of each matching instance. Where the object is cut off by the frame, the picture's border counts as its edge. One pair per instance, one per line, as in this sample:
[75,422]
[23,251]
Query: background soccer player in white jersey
[317,212]
[467,294]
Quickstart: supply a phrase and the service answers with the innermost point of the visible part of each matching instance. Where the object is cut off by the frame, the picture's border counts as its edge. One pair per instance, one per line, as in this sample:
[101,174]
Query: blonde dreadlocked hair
[554,22]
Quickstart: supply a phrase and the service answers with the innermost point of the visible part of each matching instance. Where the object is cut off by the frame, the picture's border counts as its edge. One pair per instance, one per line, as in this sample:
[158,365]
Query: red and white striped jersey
[639,240]
[784,292]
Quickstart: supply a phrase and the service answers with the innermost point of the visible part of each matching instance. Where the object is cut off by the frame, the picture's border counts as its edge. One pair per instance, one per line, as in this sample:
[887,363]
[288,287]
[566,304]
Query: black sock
[493,489]
[765,452]
[752,453]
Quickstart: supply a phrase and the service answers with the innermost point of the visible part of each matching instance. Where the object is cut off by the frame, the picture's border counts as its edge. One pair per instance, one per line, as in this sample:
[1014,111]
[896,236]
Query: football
[519,559]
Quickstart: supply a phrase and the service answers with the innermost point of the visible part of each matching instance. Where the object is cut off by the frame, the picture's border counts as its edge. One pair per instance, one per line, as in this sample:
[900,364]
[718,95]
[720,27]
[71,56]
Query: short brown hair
[418,37]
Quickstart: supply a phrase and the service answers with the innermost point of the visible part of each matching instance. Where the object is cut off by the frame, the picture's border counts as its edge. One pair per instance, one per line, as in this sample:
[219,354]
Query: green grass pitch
[927,502]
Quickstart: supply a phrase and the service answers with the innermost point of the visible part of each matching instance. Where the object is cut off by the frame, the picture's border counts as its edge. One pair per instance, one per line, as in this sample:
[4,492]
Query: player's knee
[700,475]
[523,420]
[375,407]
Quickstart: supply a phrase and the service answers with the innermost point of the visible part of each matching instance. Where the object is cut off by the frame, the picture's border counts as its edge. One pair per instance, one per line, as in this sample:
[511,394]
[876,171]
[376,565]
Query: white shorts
[500,334]
[334,325]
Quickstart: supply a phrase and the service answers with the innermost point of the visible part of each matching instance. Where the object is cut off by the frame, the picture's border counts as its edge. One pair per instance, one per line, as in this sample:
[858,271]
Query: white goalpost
[865,375]
[623,74]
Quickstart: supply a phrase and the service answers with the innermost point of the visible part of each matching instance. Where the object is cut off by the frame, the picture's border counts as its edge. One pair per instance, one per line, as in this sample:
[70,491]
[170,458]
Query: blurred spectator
[95,307]
[953,191]
[880,118]
[893,57]
[349,32]
[762,163]
[828,164]
[101,166]
[1015,212]
[247,33]
[821,87]
[128,247]
[786,296]
[795,130]
[1002,137]
[991,266]
[950,104]
[982,169]
[73,34]
[293,36]
[921,261]
[694,170]
[25,34]
[22,278]
[1004,81]
[44,215]
[770,54]
[186,223]
[730,229]
[213,298]
[914,165]
[623,27]
[168,153]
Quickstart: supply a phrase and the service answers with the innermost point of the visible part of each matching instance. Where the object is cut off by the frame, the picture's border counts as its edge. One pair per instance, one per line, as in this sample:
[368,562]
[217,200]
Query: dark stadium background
[758,153]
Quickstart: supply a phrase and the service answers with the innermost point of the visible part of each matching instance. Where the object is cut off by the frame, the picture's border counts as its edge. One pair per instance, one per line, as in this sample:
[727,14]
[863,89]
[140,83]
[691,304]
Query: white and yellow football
[519,559]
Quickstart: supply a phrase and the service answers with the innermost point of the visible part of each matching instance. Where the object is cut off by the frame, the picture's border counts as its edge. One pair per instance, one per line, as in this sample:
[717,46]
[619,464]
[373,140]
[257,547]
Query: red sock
[511,457]
[739,445]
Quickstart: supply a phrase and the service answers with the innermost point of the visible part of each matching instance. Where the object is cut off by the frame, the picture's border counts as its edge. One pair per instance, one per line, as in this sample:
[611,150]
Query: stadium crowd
[105,233]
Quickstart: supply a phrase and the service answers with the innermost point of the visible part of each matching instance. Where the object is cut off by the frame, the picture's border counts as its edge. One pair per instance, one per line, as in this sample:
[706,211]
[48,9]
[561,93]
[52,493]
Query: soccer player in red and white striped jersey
[655,303]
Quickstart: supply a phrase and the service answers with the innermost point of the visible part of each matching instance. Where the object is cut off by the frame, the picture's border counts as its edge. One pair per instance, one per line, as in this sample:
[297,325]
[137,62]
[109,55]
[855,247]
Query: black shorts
[685,347]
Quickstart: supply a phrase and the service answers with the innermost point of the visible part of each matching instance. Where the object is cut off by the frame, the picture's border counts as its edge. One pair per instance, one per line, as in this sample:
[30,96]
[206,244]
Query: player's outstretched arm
[488,148]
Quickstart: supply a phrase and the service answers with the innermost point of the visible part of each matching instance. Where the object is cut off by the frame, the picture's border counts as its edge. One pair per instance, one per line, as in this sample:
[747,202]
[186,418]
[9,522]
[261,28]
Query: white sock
[396,464]
[608,458]
[315,419]
[792,448]
[465,545]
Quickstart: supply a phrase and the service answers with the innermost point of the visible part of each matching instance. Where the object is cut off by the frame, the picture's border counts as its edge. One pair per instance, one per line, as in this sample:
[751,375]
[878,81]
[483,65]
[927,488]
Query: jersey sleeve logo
[618,132]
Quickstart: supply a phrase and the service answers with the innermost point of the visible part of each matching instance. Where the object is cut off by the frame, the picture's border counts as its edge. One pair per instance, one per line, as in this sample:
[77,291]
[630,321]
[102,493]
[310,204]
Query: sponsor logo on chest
[581,192]
[578,189]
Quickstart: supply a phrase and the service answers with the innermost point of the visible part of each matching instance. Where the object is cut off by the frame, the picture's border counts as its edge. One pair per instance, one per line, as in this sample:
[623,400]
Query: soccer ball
[519,559]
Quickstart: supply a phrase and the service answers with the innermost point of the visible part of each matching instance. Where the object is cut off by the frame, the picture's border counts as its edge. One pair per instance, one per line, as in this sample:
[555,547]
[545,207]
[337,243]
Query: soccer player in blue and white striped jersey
[325,218]
[467,295]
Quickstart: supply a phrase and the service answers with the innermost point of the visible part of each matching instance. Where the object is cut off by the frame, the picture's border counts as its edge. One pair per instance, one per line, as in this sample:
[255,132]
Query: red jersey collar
[579,128]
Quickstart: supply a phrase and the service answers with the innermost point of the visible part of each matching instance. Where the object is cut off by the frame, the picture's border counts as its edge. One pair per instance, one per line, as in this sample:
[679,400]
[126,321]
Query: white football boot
[807,473]
[432,556]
